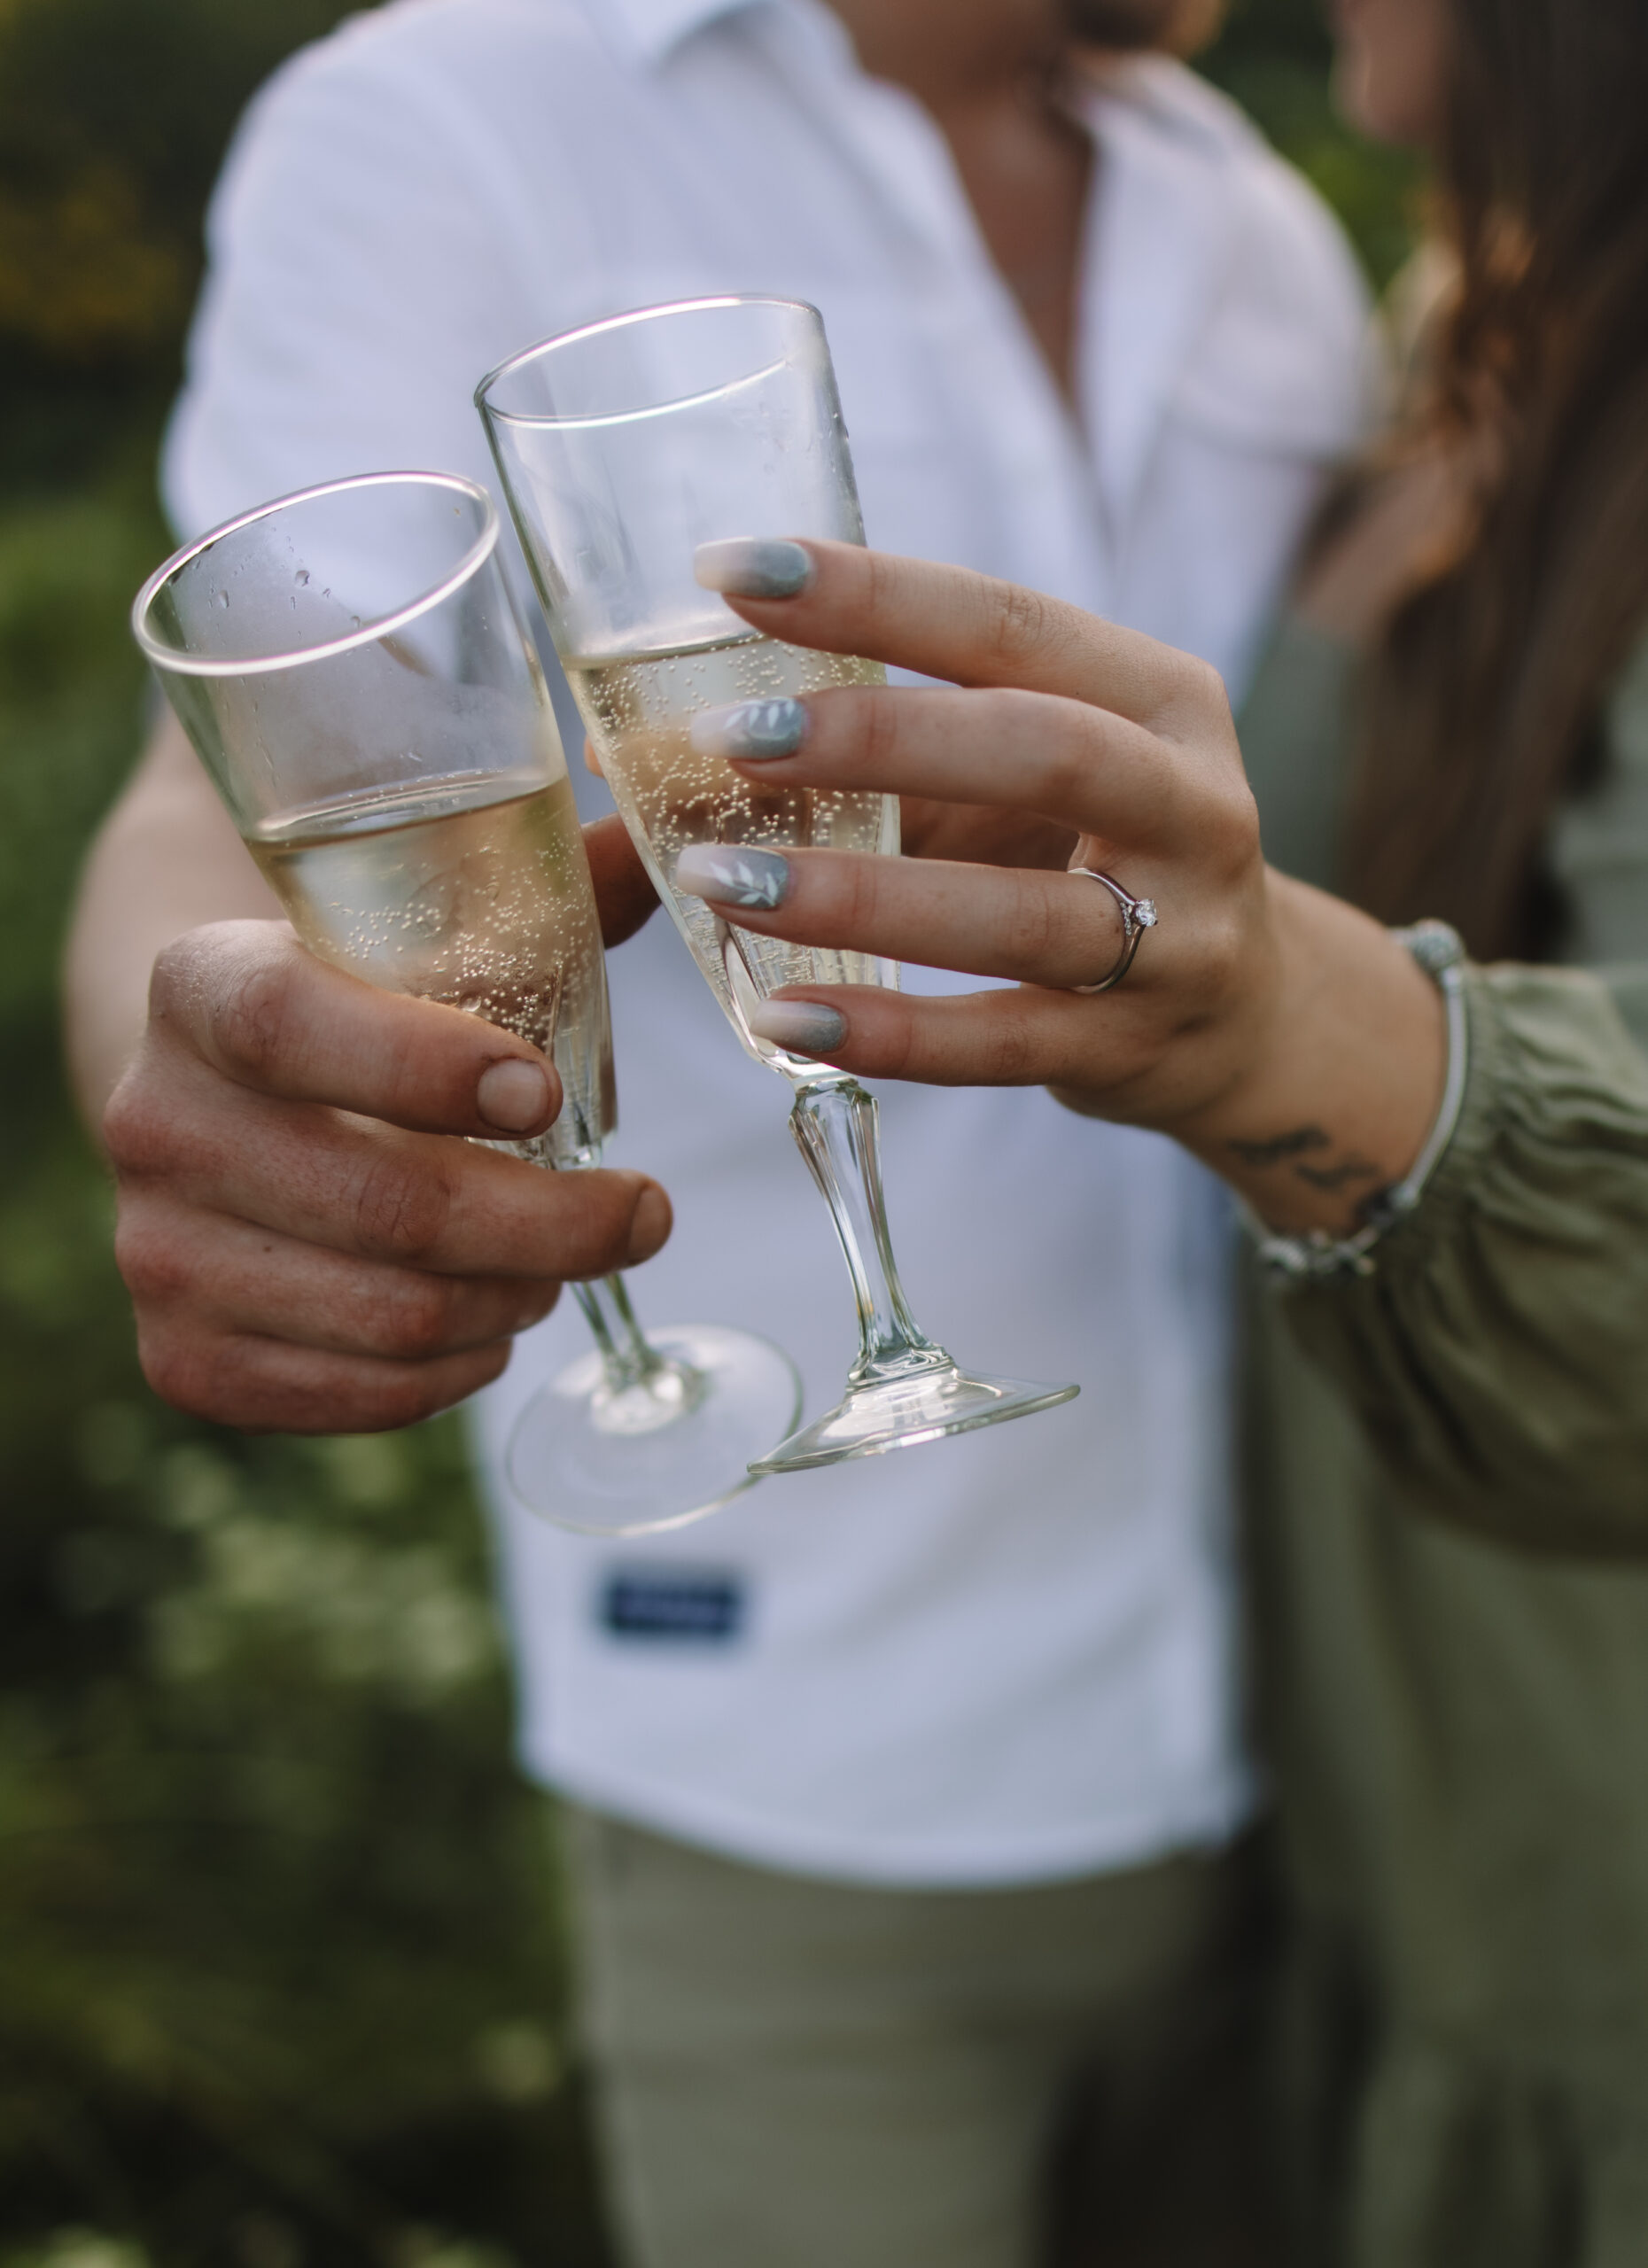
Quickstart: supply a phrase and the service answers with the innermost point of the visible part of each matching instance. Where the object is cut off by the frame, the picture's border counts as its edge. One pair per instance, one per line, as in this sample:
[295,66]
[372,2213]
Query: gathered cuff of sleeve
[1498,1355]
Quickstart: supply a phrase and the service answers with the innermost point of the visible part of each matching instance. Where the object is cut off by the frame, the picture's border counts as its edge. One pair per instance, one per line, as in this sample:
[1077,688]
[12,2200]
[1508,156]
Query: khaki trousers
[795,2074]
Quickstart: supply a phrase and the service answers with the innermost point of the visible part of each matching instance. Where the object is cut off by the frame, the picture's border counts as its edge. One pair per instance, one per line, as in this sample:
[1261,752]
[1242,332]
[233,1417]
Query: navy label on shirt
[679,1605]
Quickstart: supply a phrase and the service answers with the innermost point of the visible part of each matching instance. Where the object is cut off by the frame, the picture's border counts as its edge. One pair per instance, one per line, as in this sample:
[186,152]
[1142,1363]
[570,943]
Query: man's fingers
[357,1186]
[245,998]
[624,891]
[270,1385]
[233,1277]
[948,622]
[1041,929]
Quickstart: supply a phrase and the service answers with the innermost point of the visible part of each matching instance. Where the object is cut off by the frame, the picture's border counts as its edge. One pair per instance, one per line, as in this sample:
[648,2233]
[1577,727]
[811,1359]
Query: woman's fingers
[983,834]
[948,622]
[1076,766]
[1082,726]
[1026,1037]
[1040,928]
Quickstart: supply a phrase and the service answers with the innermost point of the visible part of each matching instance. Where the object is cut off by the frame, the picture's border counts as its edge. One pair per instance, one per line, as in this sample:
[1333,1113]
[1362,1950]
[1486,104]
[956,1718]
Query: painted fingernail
[731,875]
[800,1027]
[753,567]
[752,731]
[512,1095]
[649,1227]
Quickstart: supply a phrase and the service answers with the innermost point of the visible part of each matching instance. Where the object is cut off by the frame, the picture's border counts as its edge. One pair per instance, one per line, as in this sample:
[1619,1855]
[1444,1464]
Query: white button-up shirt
[1007,1656]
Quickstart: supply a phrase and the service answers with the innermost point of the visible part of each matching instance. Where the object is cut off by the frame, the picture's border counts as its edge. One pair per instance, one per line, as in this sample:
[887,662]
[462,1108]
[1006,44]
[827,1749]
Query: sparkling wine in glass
[623,447]
[348,664]
[639,714]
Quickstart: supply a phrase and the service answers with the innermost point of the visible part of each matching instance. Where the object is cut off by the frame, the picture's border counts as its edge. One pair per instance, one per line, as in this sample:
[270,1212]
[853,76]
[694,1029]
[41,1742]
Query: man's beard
[1120,23]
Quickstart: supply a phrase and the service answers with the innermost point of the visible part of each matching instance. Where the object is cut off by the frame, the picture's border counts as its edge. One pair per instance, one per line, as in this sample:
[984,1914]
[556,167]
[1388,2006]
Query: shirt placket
[1156,240]
[986,361]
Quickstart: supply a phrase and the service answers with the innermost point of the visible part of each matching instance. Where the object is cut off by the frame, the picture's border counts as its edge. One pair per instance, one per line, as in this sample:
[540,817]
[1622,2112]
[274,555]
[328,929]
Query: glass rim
[519,361]
[182,663]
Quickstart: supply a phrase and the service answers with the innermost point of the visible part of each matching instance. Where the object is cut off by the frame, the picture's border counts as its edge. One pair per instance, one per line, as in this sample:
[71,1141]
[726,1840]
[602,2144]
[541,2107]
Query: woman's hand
[1282,1036]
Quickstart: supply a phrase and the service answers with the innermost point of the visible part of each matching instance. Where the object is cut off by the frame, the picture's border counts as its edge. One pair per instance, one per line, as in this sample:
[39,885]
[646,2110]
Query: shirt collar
[652,28]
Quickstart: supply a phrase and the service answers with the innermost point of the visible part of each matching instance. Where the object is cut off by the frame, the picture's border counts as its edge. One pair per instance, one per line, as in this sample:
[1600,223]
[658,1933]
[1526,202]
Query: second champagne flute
[624,447]
[350,668]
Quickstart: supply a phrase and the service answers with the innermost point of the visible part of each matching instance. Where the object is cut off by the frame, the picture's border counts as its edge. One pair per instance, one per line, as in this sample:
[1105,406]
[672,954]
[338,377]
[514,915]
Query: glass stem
[837,1131]
[629,1360]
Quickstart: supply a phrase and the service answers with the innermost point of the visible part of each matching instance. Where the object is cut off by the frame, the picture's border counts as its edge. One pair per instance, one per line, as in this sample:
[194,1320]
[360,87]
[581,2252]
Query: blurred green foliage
[280,1980]
[1274,56]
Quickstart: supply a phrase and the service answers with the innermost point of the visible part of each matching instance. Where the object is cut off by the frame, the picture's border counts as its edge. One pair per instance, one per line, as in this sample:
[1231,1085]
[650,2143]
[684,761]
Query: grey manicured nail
[753,731]
[753,567]
[800,1027]
[512,1095]
[731,875]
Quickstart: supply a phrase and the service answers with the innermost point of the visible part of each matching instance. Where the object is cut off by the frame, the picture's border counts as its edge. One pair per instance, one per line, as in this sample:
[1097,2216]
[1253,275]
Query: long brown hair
[1488,686]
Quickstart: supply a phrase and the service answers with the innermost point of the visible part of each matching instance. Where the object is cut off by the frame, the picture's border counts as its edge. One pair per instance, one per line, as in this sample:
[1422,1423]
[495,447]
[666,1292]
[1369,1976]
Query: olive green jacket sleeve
[1498,1353]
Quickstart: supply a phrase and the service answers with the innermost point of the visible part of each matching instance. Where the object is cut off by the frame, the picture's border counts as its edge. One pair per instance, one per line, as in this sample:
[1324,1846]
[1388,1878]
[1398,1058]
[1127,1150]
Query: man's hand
[307,1248]
[168,859]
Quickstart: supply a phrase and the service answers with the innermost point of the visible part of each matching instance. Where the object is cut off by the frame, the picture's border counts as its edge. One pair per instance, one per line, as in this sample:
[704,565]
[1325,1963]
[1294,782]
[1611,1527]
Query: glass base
[901,1412]
[662,1449]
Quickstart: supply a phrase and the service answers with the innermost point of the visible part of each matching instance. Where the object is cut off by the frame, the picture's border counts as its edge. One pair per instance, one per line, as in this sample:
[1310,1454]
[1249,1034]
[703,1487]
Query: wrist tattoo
[1280,1147]
[1343,1175]
[1298,1145]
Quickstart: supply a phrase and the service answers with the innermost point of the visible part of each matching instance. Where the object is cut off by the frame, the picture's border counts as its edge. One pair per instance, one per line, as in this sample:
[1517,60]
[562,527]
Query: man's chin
[1122,23]
[1180,27]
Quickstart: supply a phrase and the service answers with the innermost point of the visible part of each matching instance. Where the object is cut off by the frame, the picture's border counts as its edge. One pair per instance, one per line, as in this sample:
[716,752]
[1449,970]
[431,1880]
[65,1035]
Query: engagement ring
[1138,915]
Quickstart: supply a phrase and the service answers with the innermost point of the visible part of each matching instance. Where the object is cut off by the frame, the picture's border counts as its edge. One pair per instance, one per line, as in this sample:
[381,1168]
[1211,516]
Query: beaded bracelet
[1315,1256]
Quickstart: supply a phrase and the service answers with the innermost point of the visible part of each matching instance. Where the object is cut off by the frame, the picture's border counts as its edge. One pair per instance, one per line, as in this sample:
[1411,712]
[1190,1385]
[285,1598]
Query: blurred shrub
[280,1979]
[279,1969]
[114,114]
[280,1974]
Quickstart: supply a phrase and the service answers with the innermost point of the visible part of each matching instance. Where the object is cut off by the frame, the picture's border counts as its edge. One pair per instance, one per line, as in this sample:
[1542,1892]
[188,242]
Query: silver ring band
[1138,915]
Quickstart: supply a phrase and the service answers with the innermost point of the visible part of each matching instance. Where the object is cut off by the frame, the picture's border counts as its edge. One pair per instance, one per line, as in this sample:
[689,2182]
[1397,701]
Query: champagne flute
[350,667]
[623,447]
